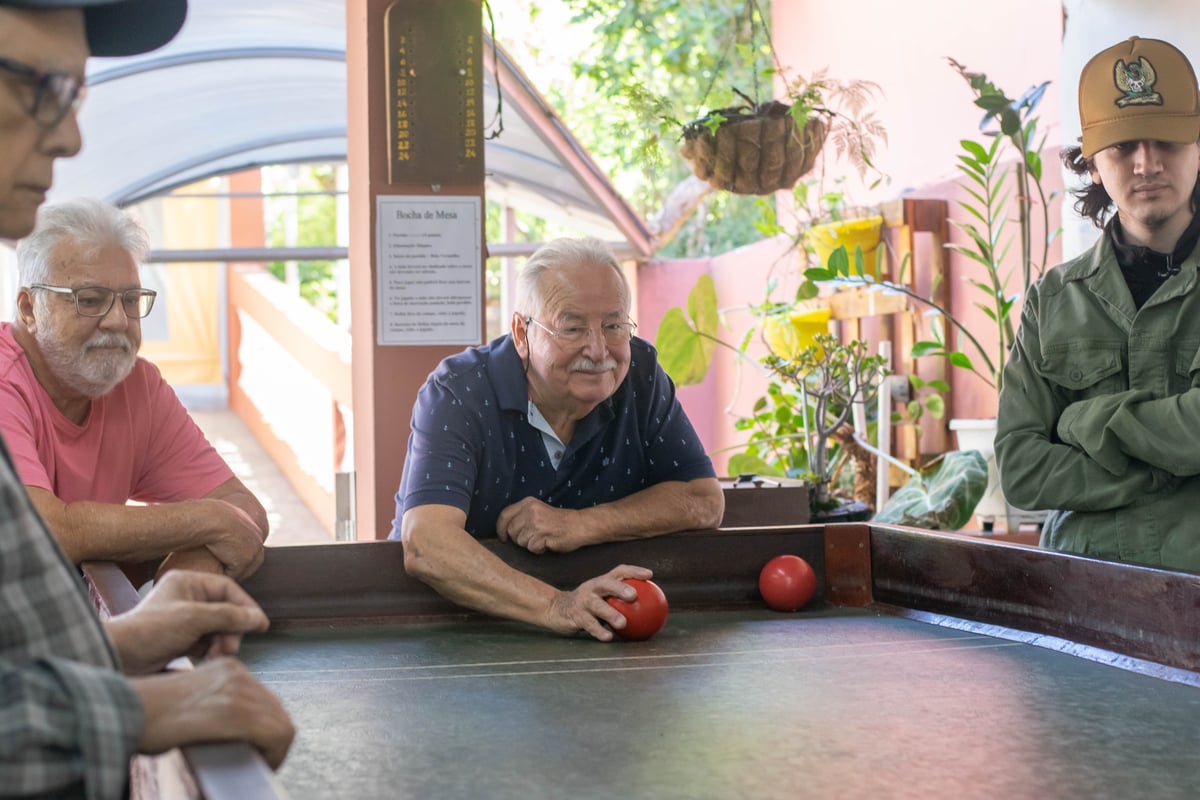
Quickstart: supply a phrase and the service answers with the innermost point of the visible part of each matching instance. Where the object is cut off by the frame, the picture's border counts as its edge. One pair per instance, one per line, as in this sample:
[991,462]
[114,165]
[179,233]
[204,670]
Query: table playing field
[721,704]
[927,666]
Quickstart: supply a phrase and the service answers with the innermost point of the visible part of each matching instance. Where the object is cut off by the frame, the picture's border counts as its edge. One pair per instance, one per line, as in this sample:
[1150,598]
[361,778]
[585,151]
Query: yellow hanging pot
[864,232]
[789,333]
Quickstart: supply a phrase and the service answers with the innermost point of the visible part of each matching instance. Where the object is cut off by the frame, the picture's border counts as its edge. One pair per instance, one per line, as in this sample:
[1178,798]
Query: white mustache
[108,340]
[587,365]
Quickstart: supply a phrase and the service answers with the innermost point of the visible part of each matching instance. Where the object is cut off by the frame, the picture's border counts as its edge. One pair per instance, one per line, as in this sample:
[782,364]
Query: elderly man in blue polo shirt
[564,433]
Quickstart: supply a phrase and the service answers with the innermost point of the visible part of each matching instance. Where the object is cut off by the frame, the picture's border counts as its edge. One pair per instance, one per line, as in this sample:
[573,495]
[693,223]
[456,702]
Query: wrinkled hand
[585,608]
[218,701]
[236,540]
[538,527]
[187,613]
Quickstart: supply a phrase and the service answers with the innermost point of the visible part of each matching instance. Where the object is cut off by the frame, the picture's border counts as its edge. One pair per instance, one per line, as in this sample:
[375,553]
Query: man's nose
[63,140]
[116,317]
[1147,158]
[595,342]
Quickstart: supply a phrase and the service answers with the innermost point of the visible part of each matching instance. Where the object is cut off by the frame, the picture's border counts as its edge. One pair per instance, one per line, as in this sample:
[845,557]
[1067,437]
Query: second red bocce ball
[645,616]
[787,583]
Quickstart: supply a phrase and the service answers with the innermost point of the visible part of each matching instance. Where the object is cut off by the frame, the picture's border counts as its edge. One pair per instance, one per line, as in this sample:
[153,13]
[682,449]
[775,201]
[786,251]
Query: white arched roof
[247,84]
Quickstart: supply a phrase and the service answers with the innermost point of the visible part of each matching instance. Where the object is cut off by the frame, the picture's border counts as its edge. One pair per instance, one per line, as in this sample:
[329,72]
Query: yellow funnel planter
[788,334]
[864,232]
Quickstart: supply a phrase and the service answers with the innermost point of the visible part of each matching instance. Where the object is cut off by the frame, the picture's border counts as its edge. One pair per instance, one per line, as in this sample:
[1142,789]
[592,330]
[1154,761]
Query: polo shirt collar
[512,390]
[508,375]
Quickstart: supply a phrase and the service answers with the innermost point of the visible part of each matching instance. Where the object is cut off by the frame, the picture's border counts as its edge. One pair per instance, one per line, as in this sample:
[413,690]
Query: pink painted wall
[662,284]
[730,389]
[927,107]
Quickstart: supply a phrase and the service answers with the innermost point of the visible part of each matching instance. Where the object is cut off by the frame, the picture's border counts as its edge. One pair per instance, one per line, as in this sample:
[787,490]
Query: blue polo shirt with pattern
[472,445]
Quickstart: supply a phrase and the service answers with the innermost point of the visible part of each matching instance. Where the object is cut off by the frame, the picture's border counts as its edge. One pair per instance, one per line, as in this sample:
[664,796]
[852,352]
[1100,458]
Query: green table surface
[721,704]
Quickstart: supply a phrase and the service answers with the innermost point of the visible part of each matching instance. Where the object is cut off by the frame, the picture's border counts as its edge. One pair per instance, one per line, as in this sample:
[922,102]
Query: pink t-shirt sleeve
[20,411]
[17,425]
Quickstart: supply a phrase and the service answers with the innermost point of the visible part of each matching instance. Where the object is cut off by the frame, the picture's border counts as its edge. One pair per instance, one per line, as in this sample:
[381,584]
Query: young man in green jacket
[1099,414]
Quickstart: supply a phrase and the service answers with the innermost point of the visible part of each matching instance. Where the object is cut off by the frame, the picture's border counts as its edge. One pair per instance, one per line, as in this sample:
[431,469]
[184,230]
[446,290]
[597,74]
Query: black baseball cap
[121,27]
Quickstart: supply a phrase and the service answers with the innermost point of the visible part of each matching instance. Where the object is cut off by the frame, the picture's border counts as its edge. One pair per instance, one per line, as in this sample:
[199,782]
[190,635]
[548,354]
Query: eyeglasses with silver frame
[614,333]
[97,301]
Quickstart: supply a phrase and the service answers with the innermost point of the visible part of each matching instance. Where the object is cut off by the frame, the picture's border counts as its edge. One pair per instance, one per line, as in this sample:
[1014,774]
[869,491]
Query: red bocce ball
[645,616]
[787,583]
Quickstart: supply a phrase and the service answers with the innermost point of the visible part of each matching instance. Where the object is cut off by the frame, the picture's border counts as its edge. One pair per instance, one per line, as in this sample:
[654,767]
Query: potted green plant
[832,378]
[816,382]
[996,194]
[799,427]
[830,224]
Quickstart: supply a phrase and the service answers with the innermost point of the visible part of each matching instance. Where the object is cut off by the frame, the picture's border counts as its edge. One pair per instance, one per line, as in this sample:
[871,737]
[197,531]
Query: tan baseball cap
[1138,89]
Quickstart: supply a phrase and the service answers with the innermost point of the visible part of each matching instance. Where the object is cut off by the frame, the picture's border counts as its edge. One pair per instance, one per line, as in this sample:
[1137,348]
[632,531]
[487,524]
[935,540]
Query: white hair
[89,222]
[563,253]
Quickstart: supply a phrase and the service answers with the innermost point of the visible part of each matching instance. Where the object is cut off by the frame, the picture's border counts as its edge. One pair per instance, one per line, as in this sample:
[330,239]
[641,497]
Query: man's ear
[25,311]
[520,335]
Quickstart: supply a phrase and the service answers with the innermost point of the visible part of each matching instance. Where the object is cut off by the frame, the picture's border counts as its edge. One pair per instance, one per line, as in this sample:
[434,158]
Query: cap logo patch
[1136,82]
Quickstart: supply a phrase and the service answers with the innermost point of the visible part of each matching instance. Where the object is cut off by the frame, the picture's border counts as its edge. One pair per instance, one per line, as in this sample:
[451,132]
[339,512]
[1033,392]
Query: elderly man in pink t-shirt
[91,426]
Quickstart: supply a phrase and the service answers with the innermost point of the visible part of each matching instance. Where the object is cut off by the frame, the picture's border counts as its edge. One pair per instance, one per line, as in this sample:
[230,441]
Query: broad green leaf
[942,499]
[925,348]
[970,166]
[860,267]
[961,360]
[1034,162]
[682,352]
[839,262]
[746,464]
[702,307]
[992,102]
[975,149]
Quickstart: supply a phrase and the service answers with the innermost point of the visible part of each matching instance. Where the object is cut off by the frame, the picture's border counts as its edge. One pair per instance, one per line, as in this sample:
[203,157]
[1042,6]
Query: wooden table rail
[217,771]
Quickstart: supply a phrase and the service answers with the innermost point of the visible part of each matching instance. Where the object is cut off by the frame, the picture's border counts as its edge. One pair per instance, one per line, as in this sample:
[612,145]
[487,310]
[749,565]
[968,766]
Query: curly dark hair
[1093,201]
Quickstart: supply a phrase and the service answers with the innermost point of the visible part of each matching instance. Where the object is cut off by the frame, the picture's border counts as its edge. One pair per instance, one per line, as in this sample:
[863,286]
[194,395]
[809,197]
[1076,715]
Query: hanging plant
[756,148]
[762,147]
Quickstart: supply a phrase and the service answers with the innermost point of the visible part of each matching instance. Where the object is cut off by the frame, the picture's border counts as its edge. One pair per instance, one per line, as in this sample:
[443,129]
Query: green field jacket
[1099,414]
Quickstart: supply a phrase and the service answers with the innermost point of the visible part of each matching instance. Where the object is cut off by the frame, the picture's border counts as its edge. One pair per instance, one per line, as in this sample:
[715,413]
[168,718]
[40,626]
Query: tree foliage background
[625,74]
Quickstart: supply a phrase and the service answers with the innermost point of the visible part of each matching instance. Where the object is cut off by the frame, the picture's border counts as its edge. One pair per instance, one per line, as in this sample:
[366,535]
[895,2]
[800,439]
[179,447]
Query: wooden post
[415,94]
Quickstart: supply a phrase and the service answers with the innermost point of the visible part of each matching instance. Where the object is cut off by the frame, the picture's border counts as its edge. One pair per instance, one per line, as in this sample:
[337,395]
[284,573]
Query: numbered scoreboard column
[434,54]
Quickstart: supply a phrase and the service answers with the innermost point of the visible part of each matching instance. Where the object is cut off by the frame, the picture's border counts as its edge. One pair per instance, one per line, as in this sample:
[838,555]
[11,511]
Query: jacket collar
[1102,271]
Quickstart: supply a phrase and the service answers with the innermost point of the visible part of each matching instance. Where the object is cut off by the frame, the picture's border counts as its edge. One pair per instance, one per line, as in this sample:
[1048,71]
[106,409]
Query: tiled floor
[292,522]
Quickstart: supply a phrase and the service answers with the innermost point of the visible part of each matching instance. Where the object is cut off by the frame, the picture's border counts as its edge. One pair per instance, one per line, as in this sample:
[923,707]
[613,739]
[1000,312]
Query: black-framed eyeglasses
[55,93]
[97,301]
[613,332]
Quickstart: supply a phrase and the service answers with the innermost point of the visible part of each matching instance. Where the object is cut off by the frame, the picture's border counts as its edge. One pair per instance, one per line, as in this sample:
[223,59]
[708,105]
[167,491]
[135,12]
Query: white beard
[89,372]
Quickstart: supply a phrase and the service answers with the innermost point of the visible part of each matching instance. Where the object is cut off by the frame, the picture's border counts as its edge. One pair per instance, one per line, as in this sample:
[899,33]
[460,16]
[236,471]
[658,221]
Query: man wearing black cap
[70,719]
[1100,407]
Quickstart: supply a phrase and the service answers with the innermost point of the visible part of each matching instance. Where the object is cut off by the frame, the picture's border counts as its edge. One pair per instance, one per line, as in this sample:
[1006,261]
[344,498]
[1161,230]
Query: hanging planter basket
[754,149]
